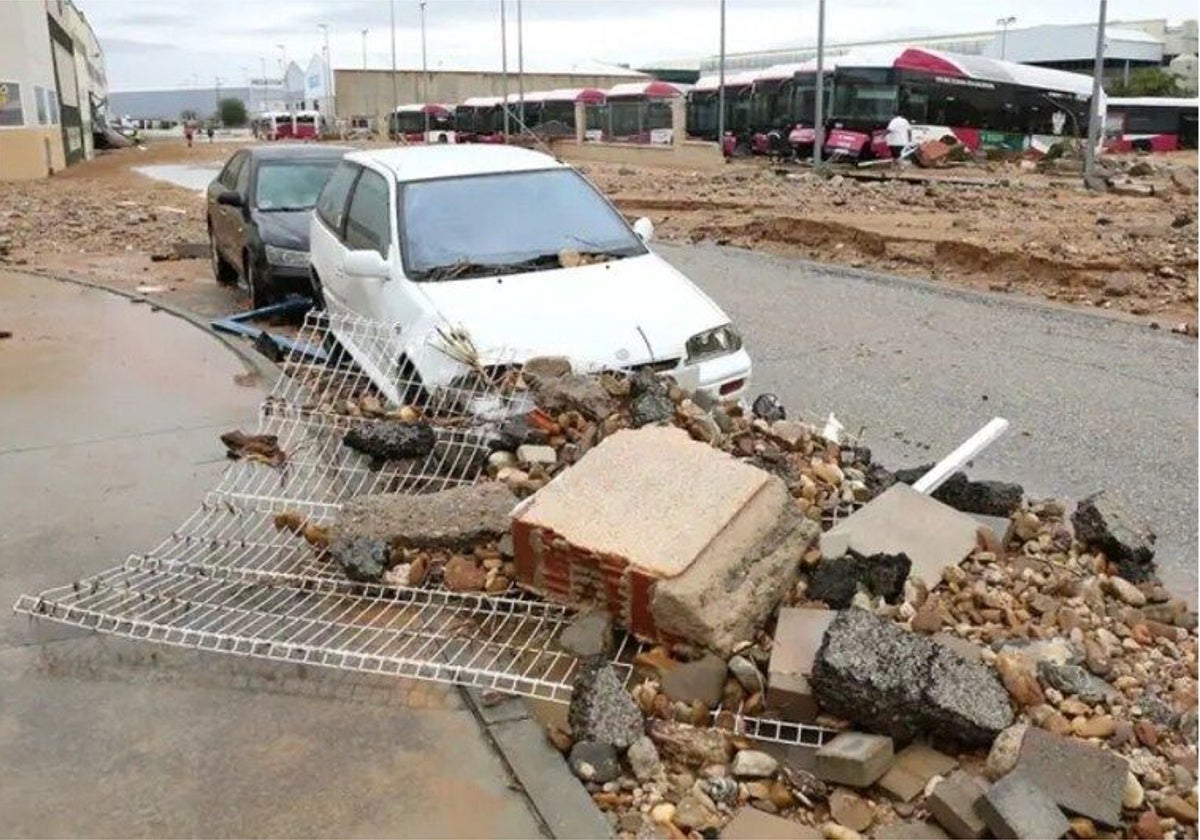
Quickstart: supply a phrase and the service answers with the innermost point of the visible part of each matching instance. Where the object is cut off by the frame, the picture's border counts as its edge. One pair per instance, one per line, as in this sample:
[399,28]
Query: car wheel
[260,290]
[222,271]
[317,293]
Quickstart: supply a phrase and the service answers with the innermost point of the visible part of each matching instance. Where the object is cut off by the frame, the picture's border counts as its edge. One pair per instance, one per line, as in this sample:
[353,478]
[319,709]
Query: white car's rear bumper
[723,377]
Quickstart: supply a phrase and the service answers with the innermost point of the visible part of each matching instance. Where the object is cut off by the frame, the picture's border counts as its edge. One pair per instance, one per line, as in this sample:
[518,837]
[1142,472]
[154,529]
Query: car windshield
[520,221]
[291,186]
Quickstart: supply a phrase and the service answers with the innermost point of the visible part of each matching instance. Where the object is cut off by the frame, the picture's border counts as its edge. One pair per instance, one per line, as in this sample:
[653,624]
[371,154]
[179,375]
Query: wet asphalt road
[1094,403]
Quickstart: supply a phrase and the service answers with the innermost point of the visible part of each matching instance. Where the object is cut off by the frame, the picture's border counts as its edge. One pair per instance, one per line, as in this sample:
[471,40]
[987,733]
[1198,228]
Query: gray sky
[178,43]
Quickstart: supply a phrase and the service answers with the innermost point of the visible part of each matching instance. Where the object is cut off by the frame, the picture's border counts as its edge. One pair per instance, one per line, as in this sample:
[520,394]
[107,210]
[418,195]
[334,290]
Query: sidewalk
[109,416]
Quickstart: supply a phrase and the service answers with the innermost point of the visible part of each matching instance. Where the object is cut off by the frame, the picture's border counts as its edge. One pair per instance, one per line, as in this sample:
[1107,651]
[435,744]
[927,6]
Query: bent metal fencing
[228,580]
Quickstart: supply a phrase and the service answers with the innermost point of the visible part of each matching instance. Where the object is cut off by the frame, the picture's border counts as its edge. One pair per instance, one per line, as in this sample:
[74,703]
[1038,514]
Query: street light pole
[819,102]
[520,67]
[1094,116]
[217,98]
[424,73]
[721,86]
[395,95]
[327,76]
[1004,23]
[504,66]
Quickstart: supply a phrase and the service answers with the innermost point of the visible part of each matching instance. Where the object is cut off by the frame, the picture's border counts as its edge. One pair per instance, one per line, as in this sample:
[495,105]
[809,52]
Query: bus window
[865,101]
[914,102]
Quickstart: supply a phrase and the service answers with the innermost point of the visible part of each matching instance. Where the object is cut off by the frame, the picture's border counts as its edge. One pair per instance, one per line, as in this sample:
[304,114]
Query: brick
[753,824]
[855,759]
[690,544]
[952,803]
[1015,808]
[798,635]
[914,766]
[1078,776]
[912,830]
[934,536]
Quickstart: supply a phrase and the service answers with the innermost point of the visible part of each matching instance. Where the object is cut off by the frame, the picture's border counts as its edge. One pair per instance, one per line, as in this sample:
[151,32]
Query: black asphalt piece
[1102,522]
[388,440]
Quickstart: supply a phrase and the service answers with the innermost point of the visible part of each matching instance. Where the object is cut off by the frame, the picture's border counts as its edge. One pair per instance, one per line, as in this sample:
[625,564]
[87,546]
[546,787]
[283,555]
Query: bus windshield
[865,101]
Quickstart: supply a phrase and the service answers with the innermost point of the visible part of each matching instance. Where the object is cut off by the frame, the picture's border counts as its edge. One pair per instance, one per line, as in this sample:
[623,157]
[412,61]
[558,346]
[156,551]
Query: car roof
[444,160]
[293,151]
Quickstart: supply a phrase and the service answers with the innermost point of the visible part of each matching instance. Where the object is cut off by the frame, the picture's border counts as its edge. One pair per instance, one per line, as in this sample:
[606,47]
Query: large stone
[798,635]
[912,770]
[1016,808]
[851,810]
[701,680]
[889,680]
[693,813]
[388,440]
[753,764]
[934,536]
[689,545]
[1080,777]
[643,759]
[589,634]
[575,392]
[455,518]
[856,759]
[753,824]
[601,709]
[1005,751]
[690,745]
[952,802]
[594,762]
[1073,679]
[1102,521]
[837,581]
[361,557]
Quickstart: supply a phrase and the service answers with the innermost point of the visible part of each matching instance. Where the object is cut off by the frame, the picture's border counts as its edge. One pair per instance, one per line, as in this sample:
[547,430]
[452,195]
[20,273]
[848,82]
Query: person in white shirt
[899,135]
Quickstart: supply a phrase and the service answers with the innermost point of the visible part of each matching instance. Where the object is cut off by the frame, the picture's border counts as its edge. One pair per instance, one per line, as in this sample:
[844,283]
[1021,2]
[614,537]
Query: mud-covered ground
[992,226]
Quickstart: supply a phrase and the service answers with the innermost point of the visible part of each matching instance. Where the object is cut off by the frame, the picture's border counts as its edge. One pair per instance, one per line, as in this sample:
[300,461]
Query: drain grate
[229,581]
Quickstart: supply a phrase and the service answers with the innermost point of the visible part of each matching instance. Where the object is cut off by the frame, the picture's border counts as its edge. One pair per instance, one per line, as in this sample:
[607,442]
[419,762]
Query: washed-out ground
[109,417]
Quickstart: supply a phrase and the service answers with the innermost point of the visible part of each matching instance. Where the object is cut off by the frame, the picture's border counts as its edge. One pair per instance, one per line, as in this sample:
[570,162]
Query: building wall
[30,141]
[90,73]
[369,92]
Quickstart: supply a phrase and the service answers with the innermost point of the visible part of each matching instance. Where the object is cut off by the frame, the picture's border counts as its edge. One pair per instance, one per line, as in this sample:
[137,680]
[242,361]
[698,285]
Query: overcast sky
[180,43]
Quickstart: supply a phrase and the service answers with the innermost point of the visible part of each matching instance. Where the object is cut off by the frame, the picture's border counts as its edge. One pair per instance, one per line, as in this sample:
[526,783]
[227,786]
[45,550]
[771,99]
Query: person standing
[187,132]
[899,135]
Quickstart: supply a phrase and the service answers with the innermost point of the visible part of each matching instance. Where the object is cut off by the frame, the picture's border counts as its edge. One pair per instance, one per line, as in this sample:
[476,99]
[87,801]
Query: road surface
[1095,403]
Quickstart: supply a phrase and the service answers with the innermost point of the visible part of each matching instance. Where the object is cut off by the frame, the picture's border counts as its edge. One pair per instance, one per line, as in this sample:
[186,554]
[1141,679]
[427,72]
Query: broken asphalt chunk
[1101,521]
[601,709]
[456,518]
[388,440]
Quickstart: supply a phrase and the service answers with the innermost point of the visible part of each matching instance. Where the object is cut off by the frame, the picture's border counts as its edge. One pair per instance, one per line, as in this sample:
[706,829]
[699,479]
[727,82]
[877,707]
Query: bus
[640,112]
[287,125]
[556,116]
[422,122]
[980,102]
[703,105]
[1150,124]
[479,119]
[306,125]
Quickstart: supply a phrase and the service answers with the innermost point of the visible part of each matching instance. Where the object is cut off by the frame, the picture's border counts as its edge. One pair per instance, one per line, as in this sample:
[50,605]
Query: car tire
[222,271]
[317,292]
[261,293]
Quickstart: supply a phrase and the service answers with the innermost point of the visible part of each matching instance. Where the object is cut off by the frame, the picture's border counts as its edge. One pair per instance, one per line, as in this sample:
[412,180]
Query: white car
[519,252]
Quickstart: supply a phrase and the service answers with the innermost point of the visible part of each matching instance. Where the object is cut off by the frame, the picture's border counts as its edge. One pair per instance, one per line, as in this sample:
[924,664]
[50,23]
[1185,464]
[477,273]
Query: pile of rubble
[992,665]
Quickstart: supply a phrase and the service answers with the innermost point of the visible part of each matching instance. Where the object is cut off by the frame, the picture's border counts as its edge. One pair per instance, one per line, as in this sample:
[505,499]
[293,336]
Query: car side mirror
[366,264]
[230,198]
[644,228]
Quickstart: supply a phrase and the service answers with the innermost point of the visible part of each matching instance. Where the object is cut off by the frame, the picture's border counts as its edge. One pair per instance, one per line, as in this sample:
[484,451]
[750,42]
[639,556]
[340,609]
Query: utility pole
[1094,115]
[424,74]
[520,66]
[217,98]
[395,95]
[504,66]
[819,102]
[721,86]
[263,62]
[364,39]
[327,76]
[1004,23]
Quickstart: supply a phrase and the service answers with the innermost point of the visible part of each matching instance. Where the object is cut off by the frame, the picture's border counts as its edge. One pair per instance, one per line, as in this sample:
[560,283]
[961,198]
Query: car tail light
[731,386]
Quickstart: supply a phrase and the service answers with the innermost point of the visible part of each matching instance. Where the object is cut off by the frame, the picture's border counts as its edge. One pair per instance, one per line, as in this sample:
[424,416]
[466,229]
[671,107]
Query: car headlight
[714,342]
[287,257]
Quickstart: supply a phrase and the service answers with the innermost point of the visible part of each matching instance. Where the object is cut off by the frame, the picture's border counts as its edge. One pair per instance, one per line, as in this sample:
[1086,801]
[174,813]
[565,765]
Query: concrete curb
[552,792]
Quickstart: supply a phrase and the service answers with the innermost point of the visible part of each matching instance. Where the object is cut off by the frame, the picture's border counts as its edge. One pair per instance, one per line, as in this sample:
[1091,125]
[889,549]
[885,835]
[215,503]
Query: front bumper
[722,377]
[284,279]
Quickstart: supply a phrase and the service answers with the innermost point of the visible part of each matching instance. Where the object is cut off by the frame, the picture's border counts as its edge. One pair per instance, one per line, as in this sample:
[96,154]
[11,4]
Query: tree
[1148,81]
[232,112]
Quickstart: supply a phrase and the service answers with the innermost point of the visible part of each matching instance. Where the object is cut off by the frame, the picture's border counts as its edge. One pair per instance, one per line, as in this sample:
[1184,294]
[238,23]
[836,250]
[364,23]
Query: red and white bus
[287,125]
[1150,124]
[556,111]
[479,119]
[640,112]
[423,122]
[703,106]
[980,102]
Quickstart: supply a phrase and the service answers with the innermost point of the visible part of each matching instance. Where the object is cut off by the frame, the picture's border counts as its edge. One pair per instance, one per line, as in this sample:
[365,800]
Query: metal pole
[1093,136]
[819,102]
[217,97]
[520,67]
[364,36]
[721,86]
[263,104]
[504,66]
[395,95]
[327,77]
[424,73]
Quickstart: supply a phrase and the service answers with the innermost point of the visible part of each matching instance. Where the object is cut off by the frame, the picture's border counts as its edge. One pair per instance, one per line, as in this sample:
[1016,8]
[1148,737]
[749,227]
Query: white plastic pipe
[953,462]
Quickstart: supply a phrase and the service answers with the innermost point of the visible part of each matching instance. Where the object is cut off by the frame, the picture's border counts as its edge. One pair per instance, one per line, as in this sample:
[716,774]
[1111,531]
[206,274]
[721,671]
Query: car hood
[623,312]
[284,228]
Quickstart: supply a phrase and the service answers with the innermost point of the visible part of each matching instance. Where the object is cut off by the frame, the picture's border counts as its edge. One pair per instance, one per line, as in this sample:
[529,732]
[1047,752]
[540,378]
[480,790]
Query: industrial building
[52,87]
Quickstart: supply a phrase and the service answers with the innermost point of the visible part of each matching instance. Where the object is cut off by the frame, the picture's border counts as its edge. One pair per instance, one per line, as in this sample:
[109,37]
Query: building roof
[426,162]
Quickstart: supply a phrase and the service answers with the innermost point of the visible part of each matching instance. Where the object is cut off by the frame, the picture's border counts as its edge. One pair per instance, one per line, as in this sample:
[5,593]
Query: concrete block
[753,824]
[531,453]
[855,759]
[934,536]
[914,766]
[952,803]
[798,636]
[1078,776]
[1015,808]
[688,544]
